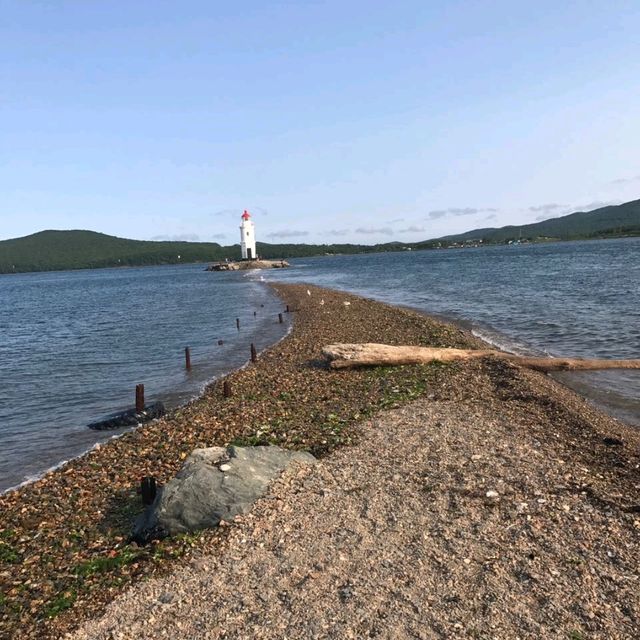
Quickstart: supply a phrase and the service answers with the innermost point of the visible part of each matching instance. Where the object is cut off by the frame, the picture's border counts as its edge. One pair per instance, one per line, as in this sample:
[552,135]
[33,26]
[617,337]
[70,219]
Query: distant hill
[64,250]
[61,250]
[619,220]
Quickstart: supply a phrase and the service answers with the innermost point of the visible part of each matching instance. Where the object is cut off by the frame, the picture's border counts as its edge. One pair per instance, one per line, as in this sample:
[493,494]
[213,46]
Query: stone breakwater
[247,264]
[474,430]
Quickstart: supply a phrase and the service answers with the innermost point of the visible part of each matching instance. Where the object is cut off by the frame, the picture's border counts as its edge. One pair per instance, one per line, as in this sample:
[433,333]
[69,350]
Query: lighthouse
[247,237]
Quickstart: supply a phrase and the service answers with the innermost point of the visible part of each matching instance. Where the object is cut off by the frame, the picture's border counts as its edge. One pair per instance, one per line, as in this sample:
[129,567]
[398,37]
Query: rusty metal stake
[187,358]
[238,324]
[280,320]
[139,398]
[226,389]
[254,354]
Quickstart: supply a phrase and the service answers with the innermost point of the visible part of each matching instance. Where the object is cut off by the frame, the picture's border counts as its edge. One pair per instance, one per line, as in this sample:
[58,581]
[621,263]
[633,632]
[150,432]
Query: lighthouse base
[248,264]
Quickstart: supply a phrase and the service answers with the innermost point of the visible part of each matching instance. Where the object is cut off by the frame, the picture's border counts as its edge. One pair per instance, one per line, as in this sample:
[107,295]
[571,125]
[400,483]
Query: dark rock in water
[214,484]
[129,418]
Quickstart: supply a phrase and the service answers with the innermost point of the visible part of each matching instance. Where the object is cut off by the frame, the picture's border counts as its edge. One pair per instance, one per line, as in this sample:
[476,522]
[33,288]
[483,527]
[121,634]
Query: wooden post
[238,324]
[187,358]
[220,343]
[255,313]
[226,389]
[139,398]
[280,318]
[254,354]
[148,489]
[287,308]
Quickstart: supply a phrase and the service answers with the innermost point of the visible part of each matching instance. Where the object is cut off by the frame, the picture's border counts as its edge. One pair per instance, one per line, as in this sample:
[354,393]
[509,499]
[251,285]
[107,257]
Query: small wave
[37,476]
[504,343]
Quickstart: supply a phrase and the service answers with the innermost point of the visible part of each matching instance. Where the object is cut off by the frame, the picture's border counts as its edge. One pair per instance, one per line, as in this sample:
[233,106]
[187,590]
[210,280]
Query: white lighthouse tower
[247,237]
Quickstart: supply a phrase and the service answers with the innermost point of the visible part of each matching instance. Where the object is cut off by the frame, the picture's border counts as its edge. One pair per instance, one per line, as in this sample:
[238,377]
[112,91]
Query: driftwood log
[343,356]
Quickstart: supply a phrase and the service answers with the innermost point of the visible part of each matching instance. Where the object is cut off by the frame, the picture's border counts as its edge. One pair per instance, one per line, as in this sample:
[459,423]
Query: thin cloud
[385,231]
[492,216]
[337,232]
[459,211]
[395,221]
[412,229]
[228,212]
[547,208]
[287,234]
[595,205]
[219,236]
[626,180]
[236,213]
[562,209]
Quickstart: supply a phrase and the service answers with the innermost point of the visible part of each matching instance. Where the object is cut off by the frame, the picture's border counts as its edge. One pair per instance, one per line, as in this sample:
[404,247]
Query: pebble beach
[472,500]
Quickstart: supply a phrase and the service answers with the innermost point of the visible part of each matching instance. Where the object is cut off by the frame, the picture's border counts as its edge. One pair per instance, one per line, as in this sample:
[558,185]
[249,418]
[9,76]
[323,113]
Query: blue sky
[330,121]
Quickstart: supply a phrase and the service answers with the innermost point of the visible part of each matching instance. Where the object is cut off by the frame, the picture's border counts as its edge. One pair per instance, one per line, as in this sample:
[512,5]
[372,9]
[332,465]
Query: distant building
[247,237]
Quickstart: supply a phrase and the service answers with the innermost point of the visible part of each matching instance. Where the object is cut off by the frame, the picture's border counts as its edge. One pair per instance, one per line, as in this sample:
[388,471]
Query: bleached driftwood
[342,356]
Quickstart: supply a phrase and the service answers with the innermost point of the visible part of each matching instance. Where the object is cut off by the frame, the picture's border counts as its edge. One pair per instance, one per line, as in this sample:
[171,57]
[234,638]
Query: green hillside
[619,220]
[64,250]
[61,250]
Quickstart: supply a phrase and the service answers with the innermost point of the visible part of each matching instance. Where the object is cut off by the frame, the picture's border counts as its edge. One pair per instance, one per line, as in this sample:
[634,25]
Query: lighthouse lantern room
[247,237]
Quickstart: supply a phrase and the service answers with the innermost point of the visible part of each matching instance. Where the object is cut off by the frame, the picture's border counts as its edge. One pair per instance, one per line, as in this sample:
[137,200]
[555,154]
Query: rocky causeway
[472,499]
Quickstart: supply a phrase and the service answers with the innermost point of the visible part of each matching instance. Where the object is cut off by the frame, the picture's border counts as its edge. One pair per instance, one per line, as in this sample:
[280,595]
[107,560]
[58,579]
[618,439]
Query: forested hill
[63,250]
[618,220]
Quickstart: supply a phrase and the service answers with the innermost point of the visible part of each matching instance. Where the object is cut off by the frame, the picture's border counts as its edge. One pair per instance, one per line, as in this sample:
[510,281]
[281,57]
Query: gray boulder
[214,484]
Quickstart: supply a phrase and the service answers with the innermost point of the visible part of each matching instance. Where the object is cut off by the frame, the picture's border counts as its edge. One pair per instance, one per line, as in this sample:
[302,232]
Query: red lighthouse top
[246,215]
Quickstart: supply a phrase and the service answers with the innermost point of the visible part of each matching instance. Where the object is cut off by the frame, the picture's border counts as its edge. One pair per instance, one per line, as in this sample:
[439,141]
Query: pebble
[224,467]
[492,495]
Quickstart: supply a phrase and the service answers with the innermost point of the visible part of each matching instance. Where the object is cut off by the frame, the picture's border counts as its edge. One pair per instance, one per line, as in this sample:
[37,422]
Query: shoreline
[587,390]
[323,255]
[198,394]
[106,386]
[65,534]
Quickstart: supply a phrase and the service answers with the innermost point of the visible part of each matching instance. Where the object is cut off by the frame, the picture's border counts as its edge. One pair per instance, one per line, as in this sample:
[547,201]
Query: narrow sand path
[448,519]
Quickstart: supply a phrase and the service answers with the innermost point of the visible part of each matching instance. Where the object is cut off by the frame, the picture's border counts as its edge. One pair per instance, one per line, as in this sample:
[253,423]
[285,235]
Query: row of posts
[226,386]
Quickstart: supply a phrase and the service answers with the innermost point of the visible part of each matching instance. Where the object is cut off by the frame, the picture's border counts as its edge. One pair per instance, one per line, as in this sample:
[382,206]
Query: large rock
[214,484]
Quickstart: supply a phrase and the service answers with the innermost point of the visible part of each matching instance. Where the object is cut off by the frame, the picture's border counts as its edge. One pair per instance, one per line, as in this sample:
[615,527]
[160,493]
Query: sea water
[74,344]
[559,299]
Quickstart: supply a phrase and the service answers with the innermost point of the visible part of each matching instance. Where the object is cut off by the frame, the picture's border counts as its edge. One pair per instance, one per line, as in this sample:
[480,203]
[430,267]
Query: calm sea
[561,299]
[73,345]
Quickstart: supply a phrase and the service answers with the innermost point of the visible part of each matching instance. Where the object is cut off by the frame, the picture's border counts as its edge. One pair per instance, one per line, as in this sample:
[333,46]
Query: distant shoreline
[471,244]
